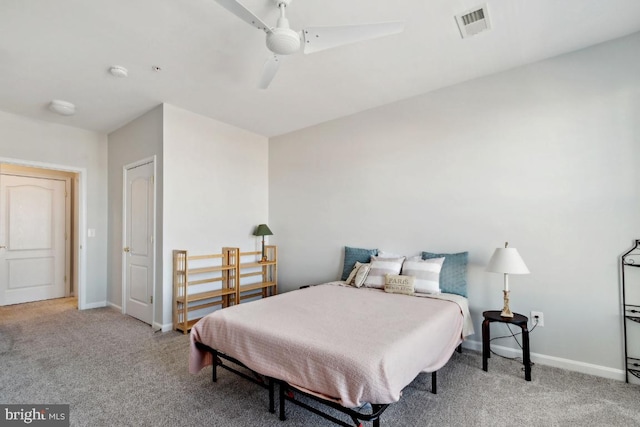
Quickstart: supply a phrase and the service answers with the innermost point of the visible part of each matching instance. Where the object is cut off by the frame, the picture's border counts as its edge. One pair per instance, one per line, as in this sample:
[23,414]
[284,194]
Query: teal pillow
[453,276]
[353,255]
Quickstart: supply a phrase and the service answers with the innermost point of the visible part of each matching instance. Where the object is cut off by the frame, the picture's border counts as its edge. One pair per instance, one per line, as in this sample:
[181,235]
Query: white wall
[36,142]
[139,139]
[215,188]
[544,156]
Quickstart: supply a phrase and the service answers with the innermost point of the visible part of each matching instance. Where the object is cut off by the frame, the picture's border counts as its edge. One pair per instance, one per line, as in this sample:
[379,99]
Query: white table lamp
[507,261]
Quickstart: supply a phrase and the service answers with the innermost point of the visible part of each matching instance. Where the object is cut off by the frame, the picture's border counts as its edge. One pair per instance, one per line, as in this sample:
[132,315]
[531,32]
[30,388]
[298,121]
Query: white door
[32,239]
[138,242]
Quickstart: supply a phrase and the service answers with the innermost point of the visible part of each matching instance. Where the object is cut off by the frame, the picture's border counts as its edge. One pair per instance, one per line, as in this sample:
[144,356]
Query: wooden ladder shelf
[204,281]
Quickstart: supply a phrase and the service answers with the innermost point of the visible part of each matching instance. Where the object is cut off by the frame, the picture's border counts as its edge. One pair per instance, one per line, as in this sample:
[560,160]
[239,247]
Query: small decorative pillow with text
[396,284]
[381,267]
[426,273]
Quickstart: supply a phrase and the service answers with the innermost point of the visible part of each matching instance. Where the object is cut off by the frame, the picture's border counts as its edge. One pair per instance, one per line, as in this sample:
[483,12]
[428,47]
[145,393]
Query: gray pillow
[353,255]
[453,276]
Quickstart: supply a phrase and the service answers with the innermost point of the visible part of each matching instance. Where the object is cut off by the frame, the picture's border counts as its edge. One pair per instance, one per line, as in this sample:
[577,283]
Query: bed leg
[214,365]
[376,408]
[282,387]
[272,408]
[434,381]
[459,349]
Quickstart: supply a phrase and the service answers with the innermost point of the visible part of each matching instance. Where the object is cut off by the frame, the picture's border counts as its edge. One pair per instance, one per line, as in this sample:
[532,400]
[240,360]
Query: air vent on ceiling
[474,21]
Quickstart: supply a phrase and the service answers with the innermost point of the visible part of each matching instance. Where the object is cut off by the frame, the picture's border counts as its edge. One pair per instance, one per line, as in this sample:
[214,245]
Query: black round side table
[518,320]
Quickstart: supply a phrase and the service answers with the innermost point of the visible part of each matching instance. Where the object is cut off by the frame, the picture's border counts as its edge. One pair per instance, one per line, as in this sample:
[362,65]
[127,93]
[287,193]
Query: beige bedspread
[353,345]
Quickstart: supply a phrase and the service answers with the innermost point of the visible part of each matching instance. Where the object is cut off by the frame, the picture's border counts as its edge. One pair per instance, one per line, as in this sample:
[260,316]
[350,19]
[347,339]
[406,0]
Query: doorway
[23,273]
[35,235]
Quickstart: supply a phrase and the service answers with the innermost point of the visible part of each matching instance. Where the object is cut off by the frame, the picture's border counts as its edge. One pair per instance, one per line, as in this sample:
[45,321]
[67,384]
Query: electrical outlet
[537,318]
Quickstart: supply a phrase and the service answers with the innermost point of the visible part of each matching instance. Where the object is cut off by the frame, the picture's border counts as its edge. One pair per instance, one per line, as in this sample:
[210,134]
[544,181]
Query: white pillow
[426,273]
[379,268]
[354,270]
[358,274]
[361,275]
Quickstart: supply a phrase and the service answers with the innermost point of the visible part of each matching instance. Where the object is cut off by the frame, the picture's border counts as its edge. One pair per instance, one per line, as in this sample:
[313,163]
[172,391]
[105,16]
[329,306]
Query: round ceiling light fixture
[63,108]
[118,71]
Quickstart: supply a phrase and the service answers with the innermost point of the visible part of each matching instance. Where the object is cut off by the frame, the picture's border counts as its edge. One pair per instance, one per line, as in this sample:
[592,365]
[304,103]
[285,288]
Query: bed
[344,346]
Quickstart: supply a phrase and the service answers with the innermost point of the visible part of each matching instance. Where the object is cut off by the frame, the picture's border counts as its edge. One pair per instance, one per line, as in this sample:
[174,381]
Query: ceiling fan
[282,40]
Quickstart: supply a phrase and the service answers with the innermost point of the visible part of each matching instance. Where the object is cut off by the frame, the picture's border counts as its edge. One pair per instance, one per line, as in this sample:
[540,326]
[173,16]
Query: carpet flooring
[115,371]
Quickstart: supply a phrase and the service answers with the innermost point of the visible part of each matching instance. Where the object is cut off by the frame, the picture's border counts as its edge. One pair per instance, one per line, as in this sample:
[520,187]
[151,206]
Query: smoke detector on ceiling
[473,21]
[118,71]
[63,108]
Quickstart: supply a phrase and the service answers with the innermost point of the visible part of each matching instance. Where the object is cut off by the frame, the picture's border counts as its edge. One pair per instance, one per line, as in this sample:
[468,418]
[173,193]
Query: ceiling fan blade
[269,71]
[321,38]
[245,14]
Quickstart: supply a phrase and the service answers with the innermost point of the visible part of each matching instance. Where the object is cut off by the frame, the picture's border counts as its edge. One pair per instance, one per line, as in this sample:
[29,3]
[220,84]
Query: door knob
[2,247]
[126,249]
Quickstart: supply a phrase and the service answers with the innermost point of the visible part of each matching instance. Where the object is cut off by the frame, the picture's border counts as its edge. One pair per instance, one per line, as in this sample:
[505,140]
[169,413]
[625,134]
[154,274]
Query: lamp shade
[262,230]
[507,260]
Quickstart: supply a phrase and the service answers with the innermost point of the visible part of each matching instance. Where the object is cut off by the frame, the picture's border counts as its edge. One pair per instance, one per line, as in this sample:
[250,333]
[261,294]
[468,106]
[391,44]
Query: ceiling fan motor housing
[282,40]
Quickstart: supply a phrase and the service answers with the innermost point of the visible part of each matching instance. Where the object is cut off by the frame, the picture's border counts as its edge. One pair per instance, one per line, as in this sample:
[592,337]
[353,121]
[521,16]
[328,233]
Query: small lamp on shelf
[263,230]
[507,261]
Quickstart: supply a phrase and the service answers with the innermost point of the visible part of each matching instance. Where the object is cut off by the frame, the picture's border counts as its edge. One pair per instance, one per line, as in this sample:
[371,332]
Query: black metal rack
[631,259]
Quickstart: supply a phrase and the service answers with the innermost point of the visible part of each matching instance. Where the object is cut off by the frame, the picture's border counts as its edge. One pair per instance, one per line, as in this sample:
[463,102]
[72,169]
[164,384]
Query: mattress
[351,345]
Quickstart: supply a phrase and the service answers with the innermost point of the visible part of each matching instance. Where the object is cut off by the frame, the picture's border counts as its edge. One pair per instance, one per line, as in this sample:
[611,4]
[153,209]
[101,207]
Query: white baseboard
[91,305]
[164,328]
[556,362]
[112,305]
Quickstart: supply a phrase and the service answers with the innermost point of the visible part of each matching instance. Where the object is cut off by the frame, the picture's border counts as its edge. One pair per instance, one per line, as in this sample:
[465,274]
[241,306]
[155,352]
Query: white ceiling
[211,60]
